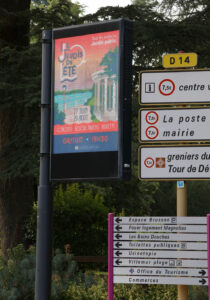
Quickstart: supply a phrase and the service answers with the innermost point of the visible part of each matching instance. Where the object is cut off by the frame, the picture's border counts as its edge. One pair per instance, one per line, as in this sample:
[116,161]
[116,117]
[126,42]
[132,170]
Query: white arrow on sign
[160,254]
[161,237]
[160,271]
[174,86]
[184,263]
[161,245]
[160,220]
[160,280]
[160,228]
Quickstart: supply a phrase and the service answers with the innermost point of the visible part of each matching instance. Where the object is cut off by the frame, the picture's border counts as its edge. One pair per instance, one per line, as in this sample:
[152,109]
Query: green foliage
[198,292]
[64,270]
[20,93]
[20,89]
[17,274]
[110,61]
[80,219]
[184,8]
[57,13]
[198,198]
[135,197]
[99,291]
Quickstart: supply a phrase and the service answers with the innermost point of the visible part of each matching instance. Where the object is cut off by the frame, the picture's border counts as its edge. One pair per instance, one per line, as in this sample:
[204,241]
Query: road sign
[158,262]
[160,237]
[160,228]
[175,86]
[160,280]
[179,60]
[174,162]
[158,250]
[160,254]
[160,220]
[160,271]
[160,245]
[187,124]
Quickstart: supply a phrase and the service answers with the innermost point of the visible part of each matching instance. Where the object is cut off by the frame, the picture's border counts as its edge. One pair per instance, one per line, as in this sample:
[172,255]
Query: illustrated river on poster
[86,93]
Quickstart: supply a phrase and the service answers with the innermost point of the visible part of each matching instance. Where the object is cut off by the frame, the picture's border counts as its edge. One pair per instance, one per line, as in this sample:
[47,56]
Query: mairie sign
[171,125]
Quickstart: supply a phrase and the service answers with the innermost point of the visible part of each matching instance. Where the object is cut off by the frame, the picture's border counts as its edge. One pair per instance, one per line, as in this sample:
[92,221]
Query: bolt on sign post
[91,116]
[158,250]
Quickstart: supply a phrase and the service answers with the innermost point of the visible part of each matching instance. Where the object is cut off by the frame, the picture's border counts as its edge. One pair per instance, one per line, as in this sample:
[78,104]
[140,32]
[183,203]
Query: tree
[110,61]
[20,77]
[157,32]
[15,191]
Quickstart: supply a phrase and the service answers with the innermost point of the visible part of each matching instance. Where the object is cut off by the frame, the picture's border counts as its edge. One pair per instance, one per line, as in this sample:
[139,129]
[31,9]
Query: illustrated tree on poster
[110,61]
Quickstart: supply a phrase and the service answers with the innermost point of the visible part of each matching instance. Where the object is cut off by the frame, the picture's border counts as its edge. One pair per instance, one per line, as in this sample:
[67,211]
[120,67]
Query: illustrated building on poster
[105,96]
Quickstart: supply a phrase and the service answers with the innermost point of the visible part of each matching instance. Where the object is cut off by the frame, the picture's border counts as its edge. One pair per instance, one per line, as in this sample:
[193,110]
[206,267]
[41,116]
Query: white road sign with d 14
[174,162]
[175,86]
[187,124]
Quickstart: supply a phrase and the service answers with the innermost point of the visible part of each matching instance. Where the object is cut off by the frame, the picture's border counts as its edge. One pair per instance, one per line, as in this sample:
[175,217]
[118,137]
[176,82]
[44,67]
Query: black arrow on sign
[118,220]
[203,281]
[202,272]
[118,236]
[118,253]
[118,227]
[118,244]
[118,262]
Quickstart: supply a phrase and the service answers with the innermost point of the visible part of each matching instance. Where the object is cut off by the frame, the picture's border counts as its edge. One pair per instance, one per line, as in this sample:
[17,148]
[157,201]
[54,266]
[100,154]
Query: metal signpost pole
[43,246]
[182,212]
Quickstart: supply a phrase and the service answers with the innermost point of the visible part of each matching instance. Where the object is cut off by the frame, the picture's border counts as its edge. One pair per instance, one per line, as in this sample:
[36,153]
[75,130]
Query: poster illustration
[86,93]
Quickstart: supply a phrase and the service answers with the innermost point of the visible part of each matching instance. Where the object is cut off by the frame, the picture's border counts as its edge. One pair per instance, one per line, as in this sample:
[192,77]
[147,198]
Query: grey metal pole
[44,216]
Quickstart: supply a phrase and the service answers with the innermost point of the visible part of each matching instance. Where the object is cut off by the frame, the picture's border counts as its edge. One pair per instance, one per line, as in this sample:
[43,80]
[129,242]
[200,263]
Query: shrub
[17,274]
[99,291]
[79,219]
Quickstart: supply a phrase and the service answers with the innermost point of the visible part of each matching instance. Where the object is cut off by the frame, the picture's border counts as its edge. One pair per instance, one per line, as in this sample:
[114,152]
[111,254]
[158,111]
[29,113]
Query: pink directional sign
[158,250]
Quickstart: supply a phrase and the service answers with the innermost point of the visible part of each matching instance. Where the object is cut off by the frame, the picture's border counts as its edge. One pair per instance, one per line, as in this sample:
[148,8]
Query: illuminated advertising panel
[91,98]
[86,93]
